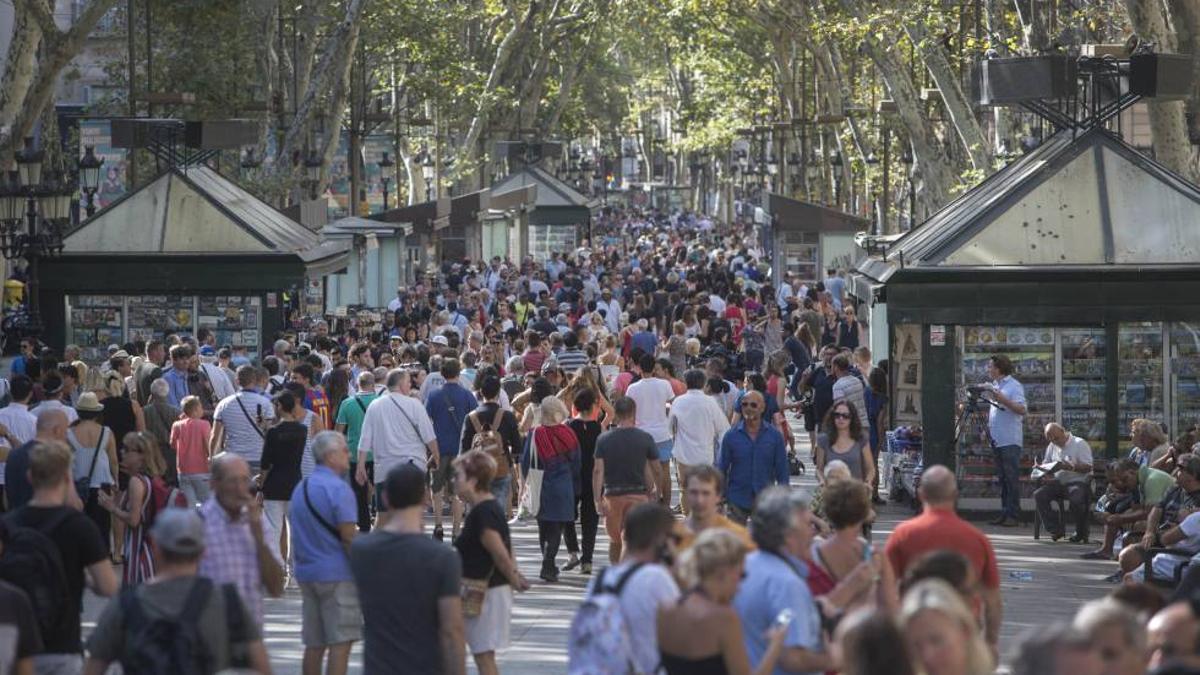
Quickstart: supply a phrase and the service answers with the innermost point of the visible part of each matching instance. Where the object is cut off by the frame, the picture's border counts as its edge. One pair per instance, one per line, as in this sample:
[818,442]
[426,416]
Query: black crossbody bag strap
[249,418]
[320,519]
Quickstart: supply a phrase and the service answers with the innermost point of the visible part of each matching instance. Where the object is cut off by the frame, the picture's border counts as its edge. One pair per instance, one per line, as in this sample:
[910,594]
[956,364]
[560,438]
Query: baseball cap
[179,531]
[440,340]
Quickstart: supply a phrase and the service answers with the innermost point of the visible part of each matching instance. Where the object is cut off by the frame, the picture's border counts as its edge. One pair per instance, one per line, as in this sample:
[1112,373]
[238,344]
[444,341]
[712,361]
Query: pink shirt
[190,437]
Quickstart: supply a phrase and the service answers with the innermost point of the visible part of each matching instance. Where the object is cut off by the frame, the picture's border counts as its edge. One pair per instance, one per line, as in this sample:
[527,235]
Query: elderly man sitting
[1065,473]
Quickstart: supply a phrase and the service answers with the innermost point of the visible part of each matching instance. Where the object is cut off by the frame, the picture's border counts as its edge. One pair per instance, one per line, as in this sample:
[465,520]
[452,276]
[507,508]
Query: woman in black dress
[283,449]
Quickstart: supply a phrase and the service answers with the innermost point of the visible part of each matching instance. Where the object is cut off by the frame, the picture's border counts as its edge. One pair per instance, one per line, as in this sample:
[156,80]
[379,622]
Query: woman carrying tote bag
[551,465]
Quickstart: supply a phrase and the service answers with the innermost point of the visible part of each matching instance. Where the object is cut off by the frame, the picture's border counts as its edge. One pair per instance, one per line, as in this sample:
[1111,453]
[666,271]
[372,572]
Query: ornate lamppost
[35,208]
[89,178]
[386,165]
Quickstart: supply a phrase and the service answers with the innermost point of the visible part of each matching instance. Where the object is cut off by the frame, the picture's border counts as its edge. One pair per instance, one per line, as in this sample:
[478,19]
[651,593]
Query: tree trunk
[931,165]
[334,63]
[1168,126]
[20,65]
[266,18]
[957,106]
[58,50]
[504,52]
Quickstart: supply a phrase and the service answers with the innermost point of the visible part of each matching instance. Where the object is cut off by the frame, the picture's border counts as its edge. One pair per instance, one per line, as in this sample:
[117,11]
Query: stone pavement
[1041,582]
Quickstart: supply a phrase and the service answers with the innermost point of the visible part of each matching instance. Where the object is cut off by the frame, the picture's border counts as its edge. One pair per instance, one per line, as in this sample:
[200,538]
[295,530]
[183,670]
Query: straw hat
[89,403]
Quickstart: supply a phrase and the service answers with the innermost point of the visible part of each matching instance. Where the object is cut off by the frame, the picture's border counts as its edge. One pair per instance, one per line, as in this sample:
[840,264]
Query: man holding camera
[1007,435]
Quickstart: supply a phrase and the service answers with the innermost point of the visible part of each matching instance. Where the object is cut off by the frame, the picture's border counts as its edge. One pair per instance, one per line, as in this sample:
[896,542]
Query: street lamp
[89,177]
[386,165]
[312,172]
[427,171]
[35,207]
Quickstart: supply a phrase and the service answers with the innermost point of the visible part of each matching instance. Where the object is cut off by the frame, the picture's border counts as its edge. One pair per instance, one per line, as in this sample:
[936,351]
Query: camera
[975,400]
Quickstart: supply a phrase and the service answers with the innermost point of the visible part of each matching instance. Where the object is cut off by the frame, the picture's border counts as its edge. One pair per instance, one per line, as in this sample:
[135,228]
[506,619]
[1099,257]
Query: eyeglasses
[751,404]
[841,416]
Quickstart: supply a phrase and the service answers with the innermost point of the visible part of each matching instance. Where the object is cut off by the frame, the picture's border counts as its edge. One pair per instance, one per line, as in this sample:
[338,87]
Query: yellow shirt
[687,537]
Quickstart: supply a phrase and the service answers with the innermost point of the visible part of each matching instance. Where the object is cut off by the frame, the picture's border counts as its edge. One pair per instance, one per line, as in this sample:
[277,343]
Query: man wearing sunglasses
[753,457]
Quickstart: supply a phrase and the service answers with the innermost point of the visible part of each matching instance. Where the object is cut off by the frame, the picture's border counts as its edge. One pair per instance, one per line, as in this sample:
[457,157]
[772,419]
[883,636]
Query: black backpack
[174,646]
[32,562]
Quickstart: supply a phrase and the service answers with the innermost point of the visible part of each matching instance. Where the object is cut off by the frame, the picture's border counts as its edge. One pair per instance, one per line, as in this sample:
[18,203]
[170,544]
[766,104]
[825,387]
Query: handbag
[83,485]
[531,498]
[473,593]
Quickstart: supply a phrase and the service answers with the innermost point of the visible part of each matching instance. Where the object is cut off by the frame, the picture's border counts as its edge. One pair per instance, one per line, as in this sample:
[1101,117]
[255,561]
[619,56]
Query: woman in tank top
[843,437]
[702,634]
[92,442]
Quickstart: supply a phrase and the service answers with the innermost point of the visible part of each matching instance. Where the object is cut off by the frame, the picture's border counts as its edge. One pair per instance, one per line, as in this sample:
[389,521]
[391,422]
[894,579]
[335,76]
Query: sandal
[1096,555]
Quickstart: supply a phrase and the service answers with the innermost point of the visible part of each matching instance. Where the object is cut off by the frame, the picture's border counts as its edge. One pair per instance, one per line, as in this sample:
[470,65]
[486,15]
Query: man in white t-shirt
[1065,473]
[849,387]
[697,424]
[653,396]
[1183,537]
[649,585]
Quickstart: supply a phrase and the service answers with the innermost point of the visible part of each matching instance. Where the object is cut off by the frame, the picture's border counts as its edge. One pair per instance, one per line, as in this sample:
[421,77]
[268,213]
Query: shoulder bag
[83,485]
[531,497]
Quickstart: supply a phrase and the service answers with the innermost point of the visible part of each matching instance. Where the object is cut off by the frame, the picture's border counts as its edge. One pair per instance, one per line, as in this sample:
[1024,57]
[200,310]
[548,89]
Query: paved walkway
[1041,582]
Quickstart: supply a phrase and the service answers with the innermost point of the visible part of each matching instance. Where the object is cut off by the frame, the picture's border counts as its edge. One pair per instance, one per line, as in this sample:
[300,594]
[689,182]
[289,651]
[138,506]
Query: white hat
[440,340]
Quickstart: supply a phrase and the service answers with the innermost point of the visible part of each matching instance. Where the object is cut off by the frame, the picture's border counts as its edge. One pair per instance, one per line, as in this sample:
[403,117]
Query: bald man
[939,528]
[50,426]
[1174,637]
[1065,473]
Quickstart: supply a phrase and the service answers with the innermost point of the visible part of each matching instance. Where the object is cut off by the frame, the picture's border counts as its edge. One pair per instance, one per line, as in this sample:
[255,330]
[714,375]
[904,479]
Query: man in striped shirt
[571,359]
[238,421]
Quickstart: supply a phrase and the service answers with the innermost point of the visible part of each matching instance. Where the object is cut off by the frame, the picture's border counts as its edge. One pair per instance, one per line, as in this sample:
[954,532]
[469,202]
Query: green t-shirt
[1154,484]
[351,412]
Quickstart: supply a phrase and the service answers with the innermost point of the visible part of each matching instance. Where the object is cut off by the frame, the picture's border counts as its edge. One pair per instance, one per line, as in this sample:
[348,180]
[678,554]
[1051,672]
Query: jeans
[1008,471]
[57,664]
[1077,498]
[196,486]
[276,512]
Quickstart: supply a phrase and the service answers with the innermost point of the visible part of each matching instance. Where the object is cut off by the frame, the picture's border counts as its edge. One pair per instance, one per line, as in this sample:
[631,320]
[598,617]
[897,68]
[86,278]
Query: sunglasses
[751,404]
[841,416]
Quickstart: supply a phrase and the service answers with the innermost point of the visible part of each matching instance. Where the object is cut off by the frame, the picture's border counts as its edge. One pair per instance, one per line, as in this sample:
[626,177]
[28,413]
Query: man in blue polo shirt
[775,581]
[448,407]
[1005,426]
[324,521]
[753,457]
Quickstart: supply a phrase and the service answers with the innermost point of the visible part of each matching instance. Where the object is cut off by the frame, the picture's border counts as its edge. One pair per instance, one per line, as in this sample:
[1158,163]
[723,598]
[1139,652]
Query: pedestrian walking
[398,431]
[551,463]
[489,570]
[324,521]
[623,475]
[412,614]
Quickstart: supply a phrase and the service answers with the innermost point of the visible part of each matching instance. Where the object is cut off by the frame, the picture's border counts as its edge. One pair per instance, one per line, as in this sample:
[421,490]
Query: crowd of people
[189,481]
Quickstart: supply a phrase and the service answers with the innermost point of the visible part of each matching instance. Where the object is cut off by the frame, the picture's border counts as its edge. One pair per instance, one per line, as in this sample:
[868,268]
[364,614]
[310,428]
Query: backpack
[32,562]
[599,642]
[172,646]
[489,440]
[163,497]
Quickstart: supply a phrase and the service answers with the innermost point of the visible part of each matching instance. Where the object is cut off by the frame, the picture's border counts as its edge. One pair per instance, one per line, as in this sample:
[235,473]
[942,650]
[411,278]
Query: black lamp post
[89,177]
[35,207]
[428,171]
[906,158]
[312,172]
[386,165]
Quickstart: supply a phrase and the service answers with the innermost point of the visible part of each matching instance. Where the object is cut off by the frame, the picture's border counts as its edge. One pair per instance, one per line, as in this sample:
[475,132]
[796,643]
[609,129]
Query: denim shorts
[665,449]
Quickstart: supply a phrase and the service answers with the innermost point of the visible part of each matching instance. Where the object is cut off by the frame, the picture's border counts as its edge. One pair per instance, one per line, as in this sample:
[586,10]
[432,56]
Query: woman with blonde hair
[941,632]
[143,462]
[586,379]
[702,633]
[553,448]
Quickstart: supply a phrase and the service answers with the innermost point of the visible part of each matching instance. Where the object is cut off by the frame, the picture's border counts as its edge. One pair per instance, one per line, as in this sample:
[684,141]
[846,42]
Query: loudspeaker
[220,134]
[1026,78]
[1161,76]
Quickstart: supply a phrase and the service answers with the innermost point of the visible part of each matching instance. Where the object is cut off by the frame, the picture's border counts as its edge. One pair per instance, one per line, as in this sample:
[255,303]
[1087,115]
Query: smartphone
[784,618]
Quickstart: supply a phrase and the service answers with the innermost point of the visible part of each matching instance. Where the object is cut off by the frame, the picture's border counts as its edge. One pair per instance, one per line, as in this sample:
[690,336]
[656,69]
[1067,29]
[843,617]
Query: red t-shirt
[942,530]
